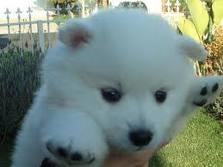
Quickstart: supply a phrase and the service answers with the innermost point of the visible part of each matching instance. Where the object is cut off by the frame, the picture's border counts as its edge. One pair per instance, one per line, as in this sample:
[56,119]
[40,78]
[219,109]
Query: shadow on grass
[157,161]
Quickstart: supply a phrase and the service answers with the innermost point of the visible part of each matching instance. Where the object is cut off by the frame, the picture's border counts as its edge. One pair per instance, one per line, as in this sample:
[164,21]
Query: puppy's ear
[204,90]
[76,32]
[189,47]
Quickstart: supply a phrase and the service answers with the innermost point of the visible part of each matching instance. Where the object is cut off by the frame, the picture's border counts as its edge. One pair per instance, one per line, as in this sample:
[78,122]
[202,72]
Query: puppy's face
[131,72]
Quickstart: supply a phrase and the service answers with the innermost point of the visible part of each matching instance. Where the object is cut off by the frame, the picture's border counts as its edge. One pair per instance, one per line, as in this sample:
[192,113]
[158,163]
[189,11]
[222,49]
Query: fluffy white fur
[124,49]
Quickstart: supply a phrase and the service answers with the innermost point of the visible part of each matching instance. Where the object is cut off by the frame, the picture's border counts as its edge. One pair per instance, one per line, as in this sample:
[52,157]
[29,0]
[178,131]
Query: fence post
[29,11]
[7,12]
[48,27]
[41,36]
[18,12]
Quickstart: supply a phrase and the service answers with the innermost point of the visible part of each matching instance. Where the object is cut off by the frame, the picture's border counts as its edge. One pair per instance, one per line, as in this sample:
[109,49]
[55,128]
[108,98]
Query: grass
[199,145]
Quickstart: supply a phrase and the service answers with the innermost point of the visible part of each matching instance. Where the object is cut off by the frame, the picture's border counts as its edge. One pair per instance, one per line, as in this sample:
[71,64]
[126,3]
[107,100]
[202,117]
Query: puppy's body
[109,78]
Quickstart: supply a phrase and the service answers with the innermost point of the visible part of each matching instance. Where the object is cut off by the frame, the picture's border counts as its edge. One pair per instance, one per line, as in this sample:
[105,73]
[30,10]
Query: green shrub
[19,79]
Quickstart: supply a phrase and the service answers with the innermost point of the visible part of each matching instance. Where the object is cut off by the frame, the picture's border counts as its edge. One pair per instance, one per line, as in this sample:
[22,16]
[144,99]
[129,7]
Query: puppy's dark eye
[111,95]
[160,96]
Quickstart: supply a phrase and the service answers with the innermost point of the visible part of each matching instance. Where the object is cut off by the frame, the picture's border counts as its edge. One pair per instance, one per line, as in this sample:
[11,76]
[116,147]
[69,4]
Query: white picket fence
[26,32]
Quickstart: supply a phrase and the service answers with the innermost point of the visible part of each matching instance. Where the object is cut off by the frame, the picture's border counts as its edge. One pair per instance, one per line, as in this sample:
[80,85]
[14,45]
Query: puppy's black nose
[140,137]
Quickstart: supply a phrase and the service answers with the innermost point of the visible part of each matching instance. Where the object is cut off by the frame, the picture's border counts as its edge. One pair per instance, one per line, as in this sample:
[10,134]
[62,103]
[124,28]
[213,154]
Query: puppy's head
[131,72]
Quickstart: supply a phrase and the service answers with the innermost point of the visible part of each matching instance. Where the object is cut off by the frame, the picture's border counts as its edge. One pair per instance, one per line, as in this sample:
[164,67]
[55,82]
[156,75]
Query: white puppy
[120,78]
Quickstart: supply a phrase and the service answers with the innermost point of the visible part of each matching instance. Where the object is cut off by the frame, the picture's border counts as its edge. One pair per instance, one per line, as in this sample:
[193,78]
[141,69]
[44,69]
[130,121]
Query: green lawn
[199,145]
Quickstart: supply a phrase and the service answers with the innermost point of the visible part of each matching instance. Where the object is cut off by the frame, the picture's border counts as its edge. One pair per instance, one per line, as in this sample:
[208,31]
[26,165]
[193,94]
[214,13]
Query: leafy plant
[214,63]
[203,20]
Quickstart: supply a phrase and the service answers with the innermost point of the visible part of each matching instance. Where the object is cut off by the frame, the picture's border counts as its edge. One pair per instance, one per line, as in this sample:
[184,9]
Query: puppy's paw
[67,154]
[74,139]
[206,90]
